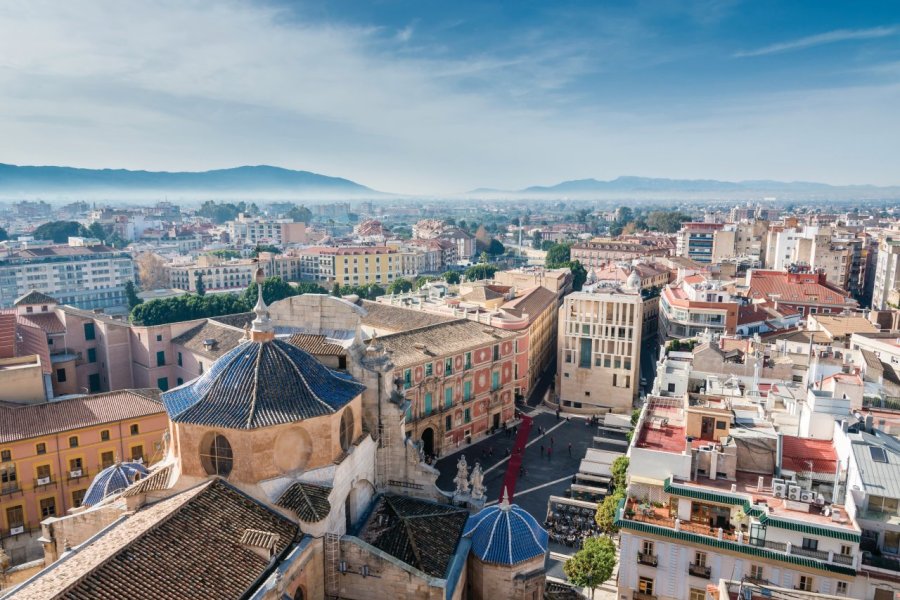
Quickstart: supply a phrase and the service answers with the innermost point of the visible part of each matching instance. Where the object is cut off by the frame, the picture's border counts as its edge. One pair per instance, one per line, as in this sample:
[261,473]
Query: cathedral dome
[259,384]
[506,534]
[634,280]
[112,480]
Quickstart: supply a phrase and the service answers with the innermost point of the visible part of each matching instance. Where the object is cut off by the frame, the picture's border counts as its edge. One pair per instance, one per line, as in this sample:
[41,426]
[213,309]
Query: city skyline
[414,98]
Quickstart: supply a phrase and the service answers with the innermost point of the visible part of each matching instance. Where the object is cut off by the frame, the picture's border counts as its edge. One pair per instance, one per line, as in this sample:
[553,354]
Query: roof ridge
[252,410]
[293,364]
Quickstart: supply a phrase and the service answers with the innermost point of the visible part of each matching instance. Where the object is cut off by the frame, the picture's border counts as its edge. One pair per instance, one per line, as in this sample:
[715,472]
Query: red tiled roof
[34,420]
[33,341]
[7,334]
[48,321]
[792,287]
[803,454]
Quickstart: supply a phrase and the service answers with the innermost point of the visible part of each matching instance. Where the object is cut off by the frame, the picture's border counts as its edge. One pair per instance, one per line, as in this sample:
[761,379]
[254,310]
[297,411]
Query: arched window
[298,595]
[346,429]
[216,455]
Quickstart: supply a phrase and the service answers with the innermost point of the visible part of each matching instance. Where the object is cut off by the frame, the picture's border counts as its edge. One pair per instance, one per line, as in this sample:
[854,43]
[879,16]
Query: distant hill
[236,182]
[657,187]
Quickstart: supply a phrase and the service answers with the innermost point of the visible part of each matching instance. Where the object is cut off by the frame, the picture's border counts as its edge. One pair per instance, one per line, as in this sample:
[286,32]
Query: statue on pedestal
[477,482]
[462,477]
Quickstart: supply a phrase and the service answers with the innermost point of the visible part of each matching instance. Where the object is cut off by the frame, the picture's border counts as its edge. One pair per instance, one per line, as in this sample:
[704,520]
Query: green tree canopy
[606,512]
[3,235]
[480,271]
[307,287]
[220,212]
[97,230]
[201,287]
[451,277]
[400,286]
[667,221]
[187,307]
[60,231]
[537,240]
[274,289]
[265,248]
[620,473]
[579,275]
[558,256]
[495,247]
[131,295]
[594,564]
[226,253]
[299,214]
[366,292]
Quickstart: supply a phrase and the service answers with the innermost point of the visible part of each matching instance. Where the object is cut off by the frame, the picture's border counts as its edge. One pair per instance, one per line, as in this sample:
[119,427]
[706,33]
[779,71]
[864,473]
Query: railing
[699,570]
[817,554]
[642,596]
[647,559]
[880,562]
[779,546]
[42,482]
[10,488]
[842,559]
[76,474]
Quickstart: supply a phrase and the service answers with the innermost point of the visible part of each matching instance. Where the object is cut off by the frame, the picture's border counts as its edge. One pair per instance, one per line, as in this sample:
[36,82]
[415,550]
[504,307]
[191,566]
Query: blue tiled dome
[505,534]
[258,384]
[112,480]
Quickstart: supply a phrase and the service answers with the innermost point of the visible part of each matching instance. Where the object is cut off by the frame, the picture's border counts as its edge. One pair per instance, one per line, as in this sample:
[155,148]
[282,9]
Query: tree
[186,308]
[667,221]
[265,248]
[299,214]
[420,281]
[623,214]
[220,212]
[480,271]
[536,240]
[201,287]
[151,271]
[557,256]
[606,512]
[3,235]
[546,245]
[451,277]
[131,295]
[594,564]
[96,230]
[305,287]
[495,248]
[399,286]
[483,259]
[581,215]
[336,290]
[60,231]
[225,254]
[579,275]
[620,473]
[274,289]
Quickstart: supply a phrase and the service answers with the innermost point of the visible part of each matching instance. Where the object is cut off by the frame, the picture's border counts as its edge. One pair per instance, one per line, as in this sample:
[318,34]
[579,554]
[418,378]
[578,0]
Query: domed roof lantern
[261,329]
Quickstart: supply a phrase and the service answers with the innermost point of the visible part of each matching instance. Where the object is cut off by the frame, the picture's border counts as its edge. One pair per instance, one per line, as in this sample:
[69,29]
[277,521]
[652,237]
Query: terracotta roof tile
[803,454]
[225,337]
[440,340]
[46,321]
[307,500]
[24,422]
[316,344]
[34,297]
[383,316]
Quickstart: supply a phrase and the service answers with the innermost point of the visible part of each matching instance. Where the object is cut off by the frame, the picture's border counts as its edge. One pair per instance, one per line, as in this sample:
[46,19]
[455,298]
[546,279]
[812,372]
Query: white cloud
[830,37]
[193,85]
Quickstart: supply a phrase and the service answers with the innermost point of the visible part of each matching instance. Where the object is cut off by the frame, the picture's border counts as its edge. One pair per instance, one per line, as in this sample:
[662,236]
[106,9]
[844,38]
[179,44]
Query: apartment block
[599,350]
[260,230]
[83,273]
[602,251]
[695,241]
[357,265]
[887,274]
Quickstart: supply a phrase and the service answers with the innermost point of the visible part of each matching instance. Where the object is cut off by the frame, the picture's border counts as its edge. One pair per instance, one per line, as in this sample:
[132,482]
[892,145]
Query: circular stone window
[215,455]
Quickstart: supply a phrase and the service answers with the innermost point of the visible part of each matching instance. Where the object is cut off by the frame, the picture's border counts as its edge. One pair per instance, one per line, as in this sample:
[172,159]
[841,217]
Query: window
[89,333]
[92,355]
[697,594]
[496,351]
[448,397]
[77,497]
[94,382]
[645,585]
[810,544]
[468,360]
[846,550]
[158,338]
[806,583]
[407,379]
[467,391]
[107,459]
[104,435]
[43,472]
[429,369]
[48,507]
[135,429]
[346,429]
[180,360]
[73,441]
[647,547]
[448,423]
[495,380]
[467,416]
[61,375]
[721,425]
[76,464]
[448,366]
[41,448]
[137,454]
[15,516]
[427,404]
[163,383]
[700,559]
[179,381]
[161,358]
[5,455]
[841,588]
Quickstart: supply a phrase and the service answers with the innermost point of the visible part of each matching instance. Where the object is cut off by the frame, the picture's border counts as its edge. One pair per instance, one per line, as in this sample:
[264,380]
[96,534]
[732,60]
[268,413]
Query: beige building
[599,350]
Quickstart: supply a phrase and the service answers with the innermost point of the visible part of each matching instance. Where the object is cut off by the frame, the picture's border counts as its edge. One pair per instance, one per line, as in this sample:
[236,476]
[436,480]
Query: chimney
[779,453]
[687,444]
[870,421]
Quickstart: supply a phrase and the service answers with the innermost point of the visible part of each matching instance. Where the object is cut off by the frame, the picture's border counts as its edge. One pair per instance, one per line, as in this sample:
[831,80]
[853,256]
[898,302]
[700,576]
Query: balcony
[881,561]
[699,570]
[76,474]
[642,596]
[817,554]
[10,488]
[645,558]
[43,482]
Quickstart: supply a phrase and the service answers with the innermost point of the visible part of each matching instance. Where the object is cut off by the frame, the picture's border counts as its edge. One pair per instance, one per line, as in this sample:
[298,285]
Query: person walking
[551,441]
[542,451]
[570,449]
[549,453]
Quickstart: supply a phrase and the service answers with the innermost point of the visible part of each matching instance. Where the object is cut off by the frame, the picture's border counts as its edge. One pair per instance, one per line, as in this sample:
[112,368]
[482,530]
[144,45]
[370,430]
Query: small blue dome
[505,534]
[113,480]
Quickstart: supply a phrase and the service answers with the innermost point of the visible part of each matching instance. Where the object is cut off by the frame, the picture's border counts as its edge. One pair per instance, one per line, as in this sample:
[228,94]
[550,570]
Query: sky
[429,97]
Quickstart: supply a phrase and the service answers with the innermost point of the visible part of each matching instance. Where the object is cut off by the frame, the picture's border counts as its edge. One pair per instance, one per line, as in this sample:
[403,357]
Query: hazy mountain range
[267,182]
[239,182]
[686,188]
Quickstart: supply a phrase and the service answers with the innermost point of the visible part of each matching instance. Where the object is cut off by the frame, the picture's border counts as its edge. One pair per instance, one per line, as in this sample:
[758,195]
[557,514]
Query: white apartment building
[84,273]
[259,230]
[599,351]
[887,273]
[218,274]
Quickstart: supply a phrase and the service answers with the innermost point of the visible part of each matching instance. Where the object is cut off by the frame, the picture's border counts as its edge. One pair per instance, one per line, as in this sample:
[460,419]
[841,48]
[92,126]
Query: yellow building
[362,265]
[49,453]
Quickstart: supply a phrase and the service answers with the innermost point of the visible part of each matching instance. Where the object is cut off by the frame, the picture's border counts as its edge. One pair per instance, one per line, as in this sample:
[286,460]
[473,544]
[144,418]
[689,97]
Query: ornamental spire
[261,329]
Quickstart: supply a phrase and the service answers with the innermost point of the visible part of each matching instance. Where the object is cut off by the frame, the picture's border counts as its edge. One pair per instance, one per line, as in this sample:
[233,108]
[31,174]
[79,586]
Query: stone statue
[462,477]
[477,482]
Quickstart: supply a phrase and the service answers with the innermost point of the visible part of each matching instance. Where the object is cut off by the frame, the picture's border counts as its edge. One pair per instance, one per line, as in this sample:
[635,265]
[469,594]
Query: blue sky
[437,97]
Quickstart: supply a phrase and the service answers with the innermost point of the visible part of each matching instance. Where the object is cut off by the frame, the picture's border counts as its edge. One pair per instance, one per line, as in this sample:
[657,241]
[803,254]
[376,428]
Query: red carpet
[515,459]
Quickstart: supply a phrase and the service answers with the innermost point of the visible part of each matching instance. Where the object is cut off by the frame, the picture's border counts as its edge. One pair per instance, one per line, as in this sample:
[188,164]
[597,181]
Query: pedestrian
[542,451]
[570,448]
[557,414]
[549,453]
[521,470]
[551,441]
[490,451]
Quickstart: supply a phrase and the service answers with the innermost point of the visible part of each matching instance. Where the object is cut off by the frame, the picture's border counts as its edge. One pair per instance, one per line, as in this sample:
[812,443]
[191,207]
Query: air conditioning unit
[17,530]
[837,516]
[820,500]
[75,473]
[807,496]
[794,492]
[43,480]
[779,489]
